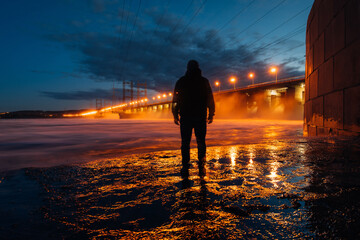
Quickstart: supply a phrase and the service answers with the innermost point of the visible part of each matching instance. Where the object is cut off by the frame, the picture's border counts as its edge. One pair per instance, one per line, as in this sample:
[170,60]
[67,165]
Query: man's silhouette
[192,98]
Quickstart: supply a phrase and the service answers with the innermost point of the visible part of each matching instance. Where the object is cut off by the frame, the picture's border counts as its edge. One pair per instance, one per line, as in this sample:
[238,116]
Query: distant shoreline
[35,114]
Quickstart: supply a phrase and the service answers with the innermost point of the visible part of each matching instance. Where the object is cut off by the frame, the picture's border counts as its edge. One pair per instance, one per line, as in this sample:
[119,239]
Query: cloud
[157,53]
[98,6]
[79,95]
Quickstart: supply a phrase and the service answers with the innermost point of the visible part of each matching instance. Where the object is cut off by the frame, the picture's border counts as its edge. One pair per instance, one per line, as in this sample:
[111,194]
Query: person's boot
[202,169]
[184,172]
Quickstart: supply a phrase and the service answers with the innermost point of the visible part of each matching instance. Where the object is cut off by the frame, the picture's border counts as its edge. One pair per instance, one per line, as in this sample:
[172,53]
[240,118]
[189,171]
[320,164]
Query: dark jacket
[193,96]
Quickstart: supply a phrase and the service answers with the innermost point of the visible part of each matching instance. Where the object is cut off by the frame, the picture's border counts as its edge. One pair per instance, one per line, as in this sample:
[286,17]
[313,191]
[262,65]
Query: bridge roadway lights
[273,93]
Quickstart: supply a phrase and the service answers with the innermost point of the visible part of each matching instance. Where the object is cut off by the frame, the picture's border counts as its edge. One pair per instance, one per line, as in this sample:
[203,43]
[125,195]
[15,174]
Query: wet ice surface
[51,142]
[266,181]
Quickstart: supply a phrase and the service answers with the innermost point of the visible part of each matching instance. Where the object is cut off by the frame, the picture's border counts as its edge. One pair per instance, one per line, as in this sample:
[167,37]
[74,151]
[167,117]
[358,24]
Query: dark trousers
[186,127]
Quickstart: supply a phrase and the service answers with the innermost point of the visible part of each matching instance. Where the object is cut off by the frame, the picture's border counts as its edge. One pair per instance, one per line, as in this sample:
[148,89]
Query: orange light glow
[145,99]
[164,95]
[70,115]
[154,98]
[158,96]
[273,70]
[232,79]
[170,94]
[251,75]
[217,83]
[88,113]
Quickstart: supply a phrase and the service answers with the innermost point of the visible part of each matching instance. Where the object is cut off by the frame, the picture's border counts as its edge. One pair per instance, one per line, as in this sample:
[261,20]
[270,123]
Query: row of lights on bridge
[233,80]
[145,100]
[251,76]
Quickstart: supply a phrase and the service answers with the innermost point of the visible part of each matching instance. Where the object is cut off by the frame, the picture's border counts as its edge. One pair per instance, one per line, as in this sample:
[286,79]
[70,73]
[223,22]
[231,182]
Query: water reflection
[233,156]
[274,177]
[266,190]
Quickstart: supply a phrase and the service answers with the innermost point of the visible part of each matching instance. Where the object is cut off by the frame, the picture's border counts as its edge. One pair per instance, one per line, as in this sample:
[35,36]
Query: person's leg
[200,133]
[186,132]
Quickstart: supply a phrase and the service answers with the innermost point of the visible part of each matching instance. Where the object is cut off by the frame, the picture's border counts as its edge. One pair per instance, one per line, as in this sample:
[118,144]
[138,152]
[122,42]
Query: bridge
[281,99]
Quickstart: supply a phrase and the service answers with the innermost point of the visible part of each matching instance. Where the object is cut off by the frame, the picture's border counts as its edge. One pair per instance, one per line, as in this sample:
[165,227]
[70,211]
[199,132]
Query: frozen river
[112,179]
[50,142]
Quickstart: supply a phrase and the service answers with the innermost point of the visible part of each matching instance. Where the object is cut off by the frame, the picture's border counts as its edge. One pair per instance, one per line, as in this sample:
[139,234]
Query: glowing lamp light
[217,83]
[274,70]
[158,96]
[233,80]
[89,113]
[145,99]
[153,98]
[164,95]
[170,94]
[251,76]
[273,93]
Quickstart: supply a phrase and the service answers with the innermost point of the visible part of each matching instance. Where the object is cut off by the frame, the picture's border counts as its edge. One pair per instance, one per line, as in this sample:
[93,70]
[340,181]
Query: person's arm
[175,104]
[210,103]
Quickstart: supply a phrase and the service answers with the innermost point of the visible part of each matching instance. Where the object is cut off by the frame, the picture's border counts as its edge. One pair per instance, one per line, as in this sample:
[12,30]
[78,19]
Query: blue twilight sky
[63,54]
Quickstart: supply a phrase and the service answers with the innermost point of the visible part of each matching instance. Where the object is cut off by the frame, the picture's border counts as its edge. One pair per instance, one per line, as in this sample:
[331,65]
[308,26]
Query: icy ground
[112,179]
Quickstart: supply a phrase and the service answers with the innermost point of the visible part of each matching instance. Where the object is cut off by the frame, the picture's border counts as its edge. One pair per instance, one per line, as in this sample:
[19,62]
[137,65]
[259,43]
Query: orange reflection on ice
[271,132]
[233,155]
[274,177]
[251,158]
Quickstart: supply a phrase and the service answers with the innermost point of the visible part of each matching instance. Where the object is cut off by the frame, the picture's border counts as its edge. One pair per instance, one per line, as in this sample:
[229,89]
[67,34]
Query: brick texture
[347,67]
[352,20]
[332,69]
[335,35]
[313,84]
[333,110]
[326,77]
[352,109]
[319,51]
[317,112]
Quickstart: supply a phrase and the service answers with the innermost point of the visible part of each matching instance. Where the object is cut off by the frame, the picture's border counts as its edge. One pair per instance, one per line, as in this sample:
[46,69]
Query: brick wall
[332,71]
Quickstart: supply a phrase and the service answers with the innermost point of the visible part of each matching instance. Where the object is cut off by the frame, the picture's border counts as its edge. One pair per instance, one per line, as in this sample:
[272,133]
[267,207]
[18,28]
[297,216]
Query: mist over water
[50,142]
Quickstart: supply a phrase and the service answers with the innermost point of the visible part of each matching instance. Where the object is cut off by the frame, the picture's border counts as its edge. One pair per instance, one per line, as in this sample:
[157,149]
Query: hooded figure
[193,102]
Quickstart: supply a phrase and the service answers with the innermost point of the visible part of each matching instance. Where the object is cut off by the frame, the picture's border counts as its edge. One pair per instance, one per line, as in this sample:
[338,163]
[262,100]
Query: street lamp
[233,80]
[251,76]
[274,70]
[217,83]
